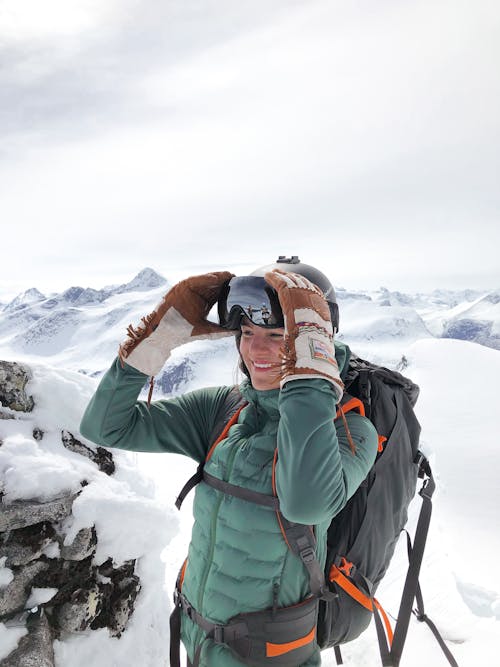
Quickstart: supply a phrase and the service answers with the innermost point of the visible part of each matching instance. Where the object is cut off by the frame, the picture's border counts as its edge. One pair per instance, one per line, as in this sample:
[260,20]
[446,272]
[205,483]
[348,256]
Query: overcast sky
[363,136]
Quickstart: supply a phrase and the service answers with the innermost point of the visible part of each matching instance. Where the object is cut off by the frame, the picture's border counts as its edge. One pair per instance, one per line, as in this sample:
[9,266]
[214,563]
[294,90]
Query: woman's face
[260,351]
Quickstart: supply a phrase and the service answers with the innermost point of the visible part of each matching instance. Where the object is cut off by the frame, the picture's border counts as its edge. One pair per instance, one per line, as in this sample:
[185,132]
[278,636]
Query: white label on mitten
[321,351]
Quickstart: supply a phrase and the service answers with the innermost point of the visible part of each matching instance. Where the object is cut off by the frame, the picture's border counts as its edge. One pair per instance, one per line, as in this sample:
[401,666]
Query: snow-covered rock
[67,565]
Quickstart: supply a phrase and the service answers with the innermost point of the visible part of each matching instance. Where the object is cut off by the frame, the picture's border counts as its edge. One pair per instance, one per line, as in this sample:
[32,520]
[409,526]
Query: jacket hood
[342,354]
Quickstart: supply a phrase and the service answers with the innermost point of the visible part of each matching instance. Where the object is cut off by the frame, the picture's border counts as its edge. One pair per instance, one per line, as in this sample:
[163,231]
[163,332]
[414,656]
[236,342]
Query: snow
[9,638]
[130,522]
[460,414]
[28,470]
[40,596]
[132,510]
[6,574]
[121,504]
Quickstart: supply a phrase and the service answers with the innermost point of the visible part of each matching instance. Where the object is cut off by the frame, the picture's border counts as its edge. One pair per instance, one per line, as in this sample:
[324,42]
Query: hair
[241,363]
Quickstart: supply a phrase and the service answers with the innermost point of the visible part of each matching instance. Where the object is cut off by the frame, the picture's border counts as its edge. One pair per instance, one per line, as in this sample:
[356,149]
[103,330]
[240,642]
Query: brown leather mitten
[309,351]
[179,318]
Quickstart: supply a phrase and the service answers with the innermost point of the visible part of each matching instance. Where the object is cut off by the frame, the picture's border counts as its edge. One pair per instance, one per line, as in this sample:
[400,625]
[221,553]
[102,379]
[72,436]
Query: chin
[262,385]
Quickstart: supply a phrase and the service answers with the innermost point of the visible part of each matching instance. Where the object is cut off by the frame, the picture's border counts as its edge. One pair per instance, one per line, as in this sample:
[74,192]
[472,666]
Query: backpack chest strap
[241,492]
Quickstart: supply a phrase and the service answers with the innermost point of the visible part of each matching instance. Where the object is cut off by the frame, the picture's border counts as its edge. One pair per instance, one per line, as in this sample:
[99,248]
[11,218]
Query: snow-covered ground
[133,514]
[459,434]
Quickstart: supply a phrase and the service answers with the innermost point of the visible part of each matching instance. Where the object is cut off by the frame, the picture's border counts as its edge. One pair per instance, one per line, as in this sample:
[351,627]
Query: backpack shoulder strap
[226,416]
[233,403]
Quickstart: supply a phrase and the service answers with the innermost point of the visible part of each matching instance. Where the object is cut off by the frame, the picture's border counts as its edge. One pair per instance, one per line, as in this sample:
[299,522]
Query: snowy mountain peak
[145,280]
[24,299]
[79,296]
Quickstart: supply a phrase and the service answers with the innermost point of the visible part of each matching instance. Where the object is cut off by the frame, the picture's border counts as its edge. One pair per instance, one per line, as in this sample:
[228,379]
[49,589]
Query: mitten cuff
[338,385]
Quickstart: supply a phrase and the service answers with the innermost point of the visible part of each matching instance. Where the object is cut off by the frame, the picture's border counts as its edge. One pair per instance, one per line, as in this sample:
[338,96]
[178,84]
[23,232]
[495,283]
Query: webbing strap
[420,614]
[439,639]
[190,484]
[241,492]
[351,403]
[384,642]
[364,599]
[221,634]
[225,432]
[175,637]
[198,475]
[411,583]
[302,542]
[350,588]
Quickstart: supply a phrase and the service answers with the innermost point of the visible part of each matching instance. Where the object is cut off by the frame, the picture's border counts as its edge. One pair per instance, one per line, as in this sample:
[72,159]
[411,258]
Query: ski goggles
[251,297]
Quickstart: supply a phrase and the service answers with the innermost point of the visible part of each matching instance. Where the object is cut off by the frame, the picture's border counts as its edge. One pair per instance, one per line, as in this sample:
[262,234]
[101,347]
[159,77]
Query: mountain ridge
[80,328]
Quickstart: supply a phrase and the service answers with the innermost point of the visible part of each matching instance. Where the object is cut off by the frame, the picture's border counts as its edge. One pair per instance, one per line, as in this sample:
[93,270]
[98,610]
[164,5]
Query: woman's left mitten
[309,351]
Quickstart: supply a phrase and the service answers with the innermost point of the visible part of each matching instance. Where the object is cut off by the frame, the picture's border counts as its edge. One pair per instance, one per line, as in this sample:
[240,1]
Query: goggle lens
[251,297]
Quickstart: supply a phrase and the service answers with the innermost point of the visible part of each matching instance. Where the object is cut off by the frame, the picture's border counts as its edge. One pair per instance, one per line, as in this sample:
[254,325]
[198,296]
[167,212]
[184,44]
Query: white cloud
[30,19]
[320,126]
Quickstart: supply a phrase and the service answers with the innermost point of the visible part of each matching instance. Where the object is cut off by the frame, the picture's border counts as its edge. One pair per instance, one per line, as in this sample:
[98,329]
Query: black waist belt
[283,636]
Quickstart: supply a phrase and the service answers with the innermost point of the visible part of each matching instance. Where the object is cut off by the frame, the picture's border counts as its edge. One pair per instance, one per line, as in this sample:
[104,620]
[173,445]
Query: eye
[246,332]
[277,335]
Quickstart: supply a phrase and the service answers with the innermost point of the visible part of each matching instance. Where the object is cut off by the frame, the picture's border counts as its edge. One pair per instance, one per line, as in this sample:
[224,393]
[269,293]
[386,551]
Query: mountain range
[80,328]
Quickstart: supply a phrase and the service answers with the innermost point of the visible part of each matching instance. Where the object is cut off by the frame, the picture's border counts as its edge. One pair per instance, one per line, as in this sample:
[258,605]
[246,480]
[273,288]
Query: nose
[259,343]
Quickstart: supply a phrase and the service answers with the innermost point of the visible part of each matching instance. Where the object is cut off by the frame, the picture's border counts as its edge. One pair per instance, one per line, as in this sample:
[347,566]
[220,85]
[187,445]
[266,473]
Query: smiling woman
[242,598]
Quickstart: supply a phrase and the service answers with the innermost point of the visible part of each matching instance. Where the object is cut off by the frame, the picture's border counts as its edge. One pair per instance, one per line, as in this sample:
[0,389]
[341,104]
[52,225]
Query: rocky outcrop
[35,648]
[13,380]
[76,593]
[101,457]
[22,513]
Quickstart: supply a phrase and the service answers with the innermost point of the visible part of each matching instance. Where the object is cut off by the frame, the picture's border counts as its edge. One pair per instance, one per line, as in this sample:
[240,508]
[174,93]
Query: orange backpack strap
[356,404]
[224,433]
[233,406]
[351,404]
[340,574]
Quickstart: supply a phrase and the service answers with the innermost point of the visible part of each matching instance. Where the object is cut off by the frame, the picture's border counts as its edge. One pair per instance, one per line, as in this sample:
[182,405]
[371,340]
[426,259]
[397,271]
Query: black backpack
[362,537]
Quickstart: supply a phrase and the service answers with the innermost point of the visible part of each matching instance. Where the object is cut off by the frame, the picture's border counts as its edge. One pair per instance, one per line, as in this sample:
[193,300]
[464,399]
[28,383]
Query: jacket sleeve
[317,472]
[182,425]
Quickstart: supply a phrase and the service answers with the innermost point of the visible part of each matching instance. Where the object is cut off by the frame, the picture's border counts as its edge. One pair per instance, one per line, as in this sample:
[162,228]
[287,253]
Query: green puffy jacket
[238,560]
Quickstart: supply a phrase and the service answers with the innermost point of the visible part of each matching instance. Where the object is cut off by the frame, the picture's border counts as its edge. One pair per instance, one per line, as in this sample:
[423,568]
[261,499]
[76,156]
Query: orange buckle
[345,566]
[381,440]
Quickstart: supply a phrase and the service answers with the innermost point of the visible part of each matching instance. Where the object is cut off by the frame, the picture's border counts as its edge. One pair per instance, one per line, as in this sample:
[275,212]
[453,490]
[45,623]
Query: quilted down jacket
[238,560]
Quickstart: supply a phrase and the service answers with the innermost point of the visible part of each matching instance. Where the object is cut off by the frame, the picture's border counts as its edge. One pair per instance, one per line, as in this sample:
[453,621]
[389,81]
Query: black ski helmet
[294,265]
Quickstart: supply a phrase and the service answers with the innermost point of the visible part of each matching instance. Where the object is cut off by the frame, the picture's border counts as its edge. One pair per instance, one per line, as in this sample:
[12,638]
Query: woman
[285,442]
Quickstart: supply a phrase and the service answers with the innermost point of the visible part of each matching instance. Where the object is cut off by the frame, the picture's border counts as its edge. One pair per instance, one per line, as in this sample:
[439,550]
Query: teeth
[261,365]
